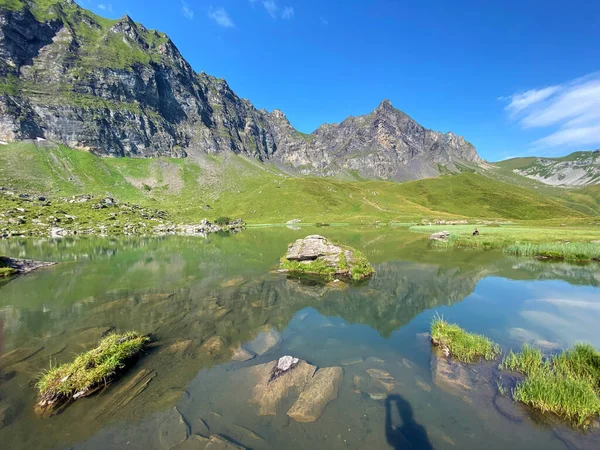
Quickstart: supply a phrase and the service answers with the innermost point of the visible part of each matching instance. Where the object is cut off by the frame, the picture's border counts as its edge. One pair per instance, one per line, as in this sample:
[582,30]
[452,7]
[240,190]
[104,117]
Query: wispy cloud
[323,21]
[105,7]
[220,16]
[271,7]
[187,12]
[274,10]
[571,110]
[288,12]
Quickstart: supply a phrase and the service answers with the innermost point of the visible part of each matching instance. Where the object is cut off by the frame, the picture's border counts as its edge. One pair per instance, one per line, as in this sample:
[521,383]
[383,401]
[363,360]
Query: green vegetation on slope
[466,347]
[98,46]
[234,186]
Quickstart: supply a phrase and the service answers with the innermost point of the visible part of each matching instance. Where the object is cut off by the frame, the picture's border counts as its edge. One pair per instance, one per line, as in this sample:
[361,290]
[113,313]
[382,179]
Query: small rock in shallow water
[377,396]
[374,360]
[265,341]
[352,361]
[217,442]
[383,378]
[214,346]
[240,354]
[320,391]
[423,385]
[268,395]
[173,430]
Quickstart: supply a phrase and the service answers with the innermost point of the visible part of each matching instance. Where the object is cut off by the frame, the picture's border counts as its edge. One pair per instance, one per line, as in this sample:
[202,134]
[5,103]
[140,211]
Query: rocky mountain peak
[385,105]
[67,77]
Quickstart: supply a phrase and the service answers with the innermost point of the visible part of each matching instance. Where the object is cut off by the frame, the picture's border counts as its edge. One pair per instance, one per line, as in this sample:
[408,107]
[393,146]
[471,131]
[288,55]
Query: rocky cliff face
[118,89]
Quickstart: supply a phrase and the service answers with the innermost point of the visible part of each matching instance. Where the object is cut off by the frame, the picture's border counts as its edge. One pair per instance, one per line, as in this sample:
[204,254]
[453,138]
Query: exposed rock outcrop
[320,391]
[269,394]
[315,255]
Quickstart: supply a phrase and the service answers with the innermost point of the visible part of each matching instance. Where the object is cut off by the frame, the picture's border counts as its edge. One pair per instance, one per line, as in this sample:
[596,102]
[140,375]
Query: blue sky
[514,77]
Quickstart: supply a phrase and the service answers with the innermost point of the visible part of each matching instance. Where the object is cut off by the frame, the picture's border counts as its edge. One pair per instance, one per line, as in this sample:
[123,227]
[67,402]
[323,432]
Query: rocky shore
[24,214]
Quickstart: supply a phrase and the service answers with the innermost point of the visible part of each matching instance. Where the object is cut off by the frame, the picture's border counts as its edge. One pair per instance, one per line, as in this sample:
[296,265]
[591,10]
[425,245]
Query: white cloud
[271,7]
[220,16]
[187,12]
[288,12]
[572,109]
[105,7]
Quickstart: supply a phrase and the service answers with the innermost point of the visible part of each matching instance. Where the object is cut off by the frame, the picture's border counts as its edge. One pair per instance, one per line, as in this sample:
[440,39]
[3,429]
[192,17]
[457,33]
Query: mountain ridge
[115,88]
[576,169]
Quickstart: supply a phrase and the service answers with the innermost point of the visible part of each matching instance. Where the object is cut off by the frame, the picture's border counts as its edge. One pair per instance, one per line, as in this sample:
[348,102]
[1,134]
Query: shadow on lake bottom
[409,435]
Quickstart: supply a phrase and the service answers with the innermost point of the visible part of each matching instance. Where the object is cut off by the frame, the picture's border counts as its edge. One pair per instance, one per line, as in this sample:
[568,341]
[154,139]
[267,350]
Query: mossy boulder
[316,256]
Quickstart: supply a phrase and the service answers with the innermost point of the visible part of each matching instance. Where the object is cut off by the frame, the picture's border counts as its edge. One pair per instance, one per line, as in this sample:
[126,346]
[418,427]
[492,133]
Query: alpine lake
[204,299]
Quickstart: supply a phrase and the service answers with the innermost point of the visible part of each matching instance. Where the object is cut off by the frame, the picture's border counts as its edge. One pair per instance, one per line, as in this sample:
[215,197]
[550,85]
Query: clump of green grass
[89,370]
[582,361]
[566,384]
[361,267]
[570,397]
[575,251]
[464,346]
[528,361]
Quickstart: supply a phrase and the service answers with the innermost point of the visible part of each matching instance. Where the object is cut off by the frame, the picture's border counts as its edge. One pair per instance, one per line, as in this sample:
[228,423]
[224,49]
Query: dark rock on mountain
[118,89]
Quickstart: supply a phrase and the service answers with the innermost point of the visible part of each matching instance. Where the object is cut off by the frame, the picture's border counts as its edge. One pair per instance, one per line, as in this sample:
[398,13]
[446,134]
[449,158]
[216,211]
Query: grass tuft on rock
[566,384]
[464,346]
[89,370]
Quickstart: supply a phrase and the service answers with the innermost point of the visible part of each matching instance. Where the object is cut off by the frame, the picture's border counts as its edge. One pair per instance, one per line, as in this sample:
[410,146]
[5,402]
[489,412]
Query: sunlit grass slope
[212,186]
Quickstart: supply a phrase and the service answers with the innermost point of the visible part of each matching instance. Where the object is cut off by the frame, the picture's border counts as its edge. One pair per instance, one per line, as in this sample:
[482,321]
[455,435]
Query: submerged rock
[269,394]
[315,255]
[449,374]
[174,430]
[240,354]
[320,391]
[265,341]
[384,378]
[217,442]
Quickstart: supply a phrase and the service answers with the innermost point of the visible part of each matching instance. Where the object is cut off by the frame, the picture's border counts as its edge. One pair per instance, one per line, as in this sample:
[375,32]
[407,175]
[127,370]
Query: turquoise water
[190,291]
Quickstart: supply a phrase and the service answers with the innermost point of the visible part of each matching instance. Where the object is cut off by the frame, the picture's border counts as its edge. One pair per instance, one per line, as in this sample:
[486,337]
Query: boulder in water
[440,236]
[269,393]
[315,255]
[320,391]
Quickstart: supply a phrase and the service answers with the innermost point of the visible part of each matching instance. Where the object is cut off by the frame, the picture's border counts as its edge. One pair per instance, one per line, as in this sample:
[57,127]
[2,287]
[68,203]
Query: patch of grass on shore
[566,384]
[464,346]
[89,370]
[576,251]
[572,243]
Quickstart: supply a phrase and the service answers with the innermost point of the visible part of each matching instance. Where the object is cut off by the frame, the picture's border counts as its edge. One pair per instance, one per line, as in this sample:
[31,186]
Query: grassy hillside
[231,185]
